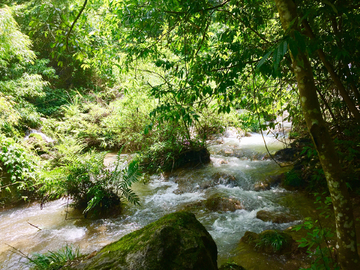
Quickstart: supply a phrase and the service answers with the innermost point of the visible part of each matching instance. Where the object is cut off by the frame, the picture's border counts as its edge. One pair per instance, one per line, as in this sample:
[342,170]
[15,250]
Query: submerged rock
[275,217]
[219,178]
[269,182]
[217,204]
[223,204]
[177,241]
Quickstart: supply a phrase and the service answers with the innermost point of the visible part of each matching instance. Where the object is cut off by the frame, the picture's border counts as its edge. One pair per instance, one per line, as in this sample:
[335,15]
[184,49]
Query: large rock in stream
[216,203]
[275,217]
[177,241]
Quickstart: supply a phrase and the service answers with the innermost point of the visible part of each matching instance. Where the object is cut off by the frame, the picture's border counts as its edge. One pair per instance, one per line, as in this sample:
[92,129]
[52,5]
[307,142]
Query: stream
[242,158]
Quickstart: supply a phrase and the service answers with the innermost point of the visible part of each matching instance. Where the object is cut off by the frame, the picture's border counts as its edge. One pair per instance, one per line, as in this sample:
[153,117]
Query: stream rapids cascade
[237,166]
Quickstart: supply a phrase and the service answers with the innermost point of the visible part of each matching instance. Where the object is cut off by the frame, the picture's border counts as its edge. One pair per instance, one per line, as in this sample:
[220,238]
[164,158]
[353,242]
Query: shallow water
[242,158]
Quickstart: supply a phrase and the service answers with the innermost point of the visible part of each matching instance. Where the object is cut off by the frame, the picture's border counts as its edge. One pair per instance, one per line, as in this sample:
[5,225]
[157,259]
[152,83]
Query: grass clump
[271,239]
[54,260]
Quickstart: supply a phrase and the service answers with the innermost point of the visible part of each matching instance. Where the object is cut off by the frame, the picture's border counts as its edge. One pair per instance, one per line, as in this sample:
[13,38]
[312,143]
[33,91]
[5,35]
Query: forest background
[157,78]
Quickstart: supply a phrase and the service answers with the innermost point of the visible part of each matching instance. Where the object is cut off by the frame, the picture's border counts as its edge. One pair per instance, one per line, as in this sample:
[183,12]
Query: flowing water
[39,133]
[244,159]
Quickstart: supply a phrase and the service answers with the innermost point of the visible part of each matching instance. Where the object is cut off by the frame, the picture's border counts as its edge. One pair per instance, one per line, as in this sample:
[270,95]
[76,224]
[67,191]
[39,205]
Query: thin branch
[233,66]
[334,76]
[199,10]
[258,115]
[73,24]
[152,72]
[248,26]
[203,38]
[34,225]
[9,185]
[19,252]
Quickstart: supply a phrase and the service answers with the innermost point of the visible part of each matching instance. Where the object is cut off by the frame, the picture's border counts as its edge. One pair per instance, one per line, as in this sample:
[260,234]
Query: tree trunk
[329,67]
[344,220]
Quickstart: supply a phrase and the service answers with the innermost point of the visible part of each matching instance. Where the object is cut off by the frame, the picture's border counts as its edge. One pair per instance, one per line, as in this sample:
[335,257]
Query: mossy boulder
[223,204]
[275,217]
[177,241]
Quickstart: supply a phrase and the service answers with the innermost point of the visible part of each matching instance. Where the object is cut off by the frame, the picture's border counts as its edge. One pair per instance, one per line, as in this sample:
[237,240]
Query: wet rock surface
[219,178]
[275,217]
[175,242]
[217,204]
[269,182]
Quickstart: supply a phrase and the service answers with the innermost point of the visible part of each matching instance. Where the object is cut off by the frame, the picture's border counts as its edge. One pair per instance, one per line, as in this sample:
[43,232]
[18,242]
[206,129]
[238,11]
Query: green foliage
[82,58]
[319,240]
[15,45]
[273,239]
[249,121]
[53,260]
[211,122]
[18,164]
[102,125]
[293,179]
[21,77]
[9,116]
[91,184]
[161,156]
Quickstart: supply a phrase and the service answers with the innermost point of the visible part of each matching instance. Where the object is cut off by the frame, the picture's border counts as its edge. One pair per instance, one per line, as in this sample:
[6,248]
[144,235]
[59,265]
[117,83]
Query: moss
[175,241]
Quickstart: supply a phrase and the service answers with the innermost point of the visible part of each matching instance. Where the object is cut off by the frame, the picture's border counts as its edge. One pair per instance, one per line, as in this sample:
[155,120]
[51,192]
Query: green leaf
[263,59]
[300,41]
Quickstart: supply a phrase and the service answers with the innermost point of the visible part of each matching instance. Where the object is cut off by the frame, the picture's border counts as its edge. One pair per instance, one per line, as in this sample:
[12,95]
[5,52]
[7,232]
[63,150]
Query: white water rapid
[242,158]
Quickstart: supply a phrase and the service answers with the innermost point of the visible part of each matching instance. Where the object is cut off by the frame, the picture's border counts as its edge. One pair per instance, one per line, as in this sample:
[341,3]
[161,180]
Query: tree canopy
[194,58]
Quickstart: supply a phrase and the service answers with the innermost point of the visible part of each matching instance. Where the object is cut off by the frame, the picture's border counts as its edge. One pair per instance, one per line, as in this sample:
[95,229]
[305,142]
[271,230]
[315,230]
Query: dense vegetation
[157,78]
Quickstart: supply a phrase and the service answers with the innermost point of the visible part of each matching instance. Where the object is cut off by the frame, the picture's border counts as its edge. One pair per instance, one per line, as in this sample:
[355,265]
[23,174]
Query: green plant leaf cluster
[17,166]
[90,184]
[53,260]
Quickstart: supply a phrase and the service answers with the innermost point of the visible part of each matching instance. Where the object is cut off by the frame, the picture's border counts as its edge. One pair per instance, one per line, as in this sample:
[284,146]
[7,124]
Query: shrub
[91,184]
[293,179]
[17,168]
[319,241]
